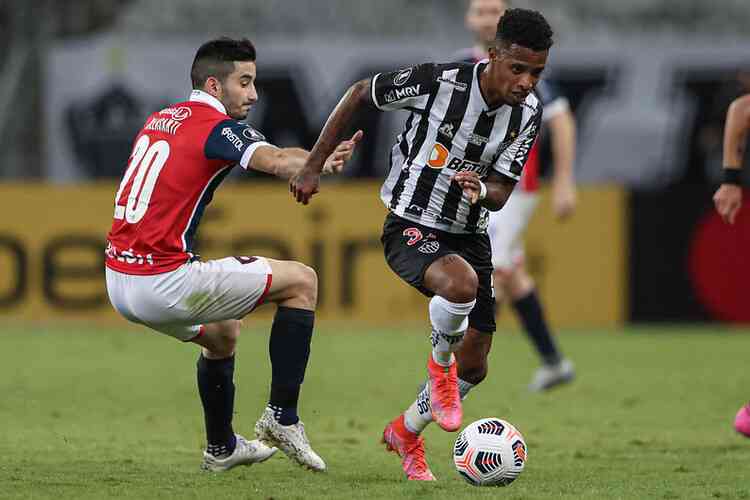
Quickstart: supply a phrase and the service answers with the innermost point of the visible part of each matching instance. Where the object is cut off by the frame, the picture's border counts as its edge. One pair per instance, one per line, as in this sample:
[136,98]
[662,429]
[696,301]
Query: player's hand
[728,200]
[564,199]
[303,185]
[470,183]
[342,154]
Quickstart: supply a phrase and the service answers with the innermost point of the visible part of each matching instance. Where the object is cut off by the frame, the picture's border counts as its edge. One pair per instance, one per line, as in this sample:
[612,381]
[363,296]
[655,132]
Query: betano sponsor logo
[440,157]
[398,94]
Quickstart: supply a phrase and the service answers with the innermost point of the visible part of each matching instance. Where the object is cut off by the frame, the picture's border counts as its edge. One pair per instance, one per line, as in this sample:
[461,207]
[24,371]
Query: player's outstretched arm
[728,199]
[493,195]
[563,135]
[286,162]
[305,183]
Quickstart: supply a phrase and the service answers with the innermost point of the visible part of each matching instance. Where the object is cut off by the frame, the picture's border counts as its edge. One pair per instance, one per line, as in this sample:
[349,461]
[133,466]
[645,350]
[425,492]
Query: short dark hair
[216,58]
[524,27]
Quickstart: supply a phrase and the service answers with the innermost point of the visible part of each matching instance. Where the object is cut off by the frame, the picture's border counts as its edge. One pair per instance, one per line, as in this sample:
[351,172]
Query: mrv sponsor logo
[398,94]
[233,138]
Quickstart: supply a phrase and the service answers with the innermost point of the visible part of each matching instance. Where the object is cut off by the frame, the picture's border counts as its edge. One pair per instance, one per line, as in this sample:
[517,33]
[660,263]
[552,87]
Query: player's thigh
[292,279]
[224,289]
[149,301]
[410,249]
[507,227]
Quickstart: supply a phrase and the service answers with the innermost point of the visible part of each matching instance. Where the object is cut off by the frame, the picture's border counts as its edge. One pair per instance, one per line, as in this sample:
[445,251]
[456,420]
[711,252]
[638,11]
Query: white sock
[449,322]
[419,415]
[464,387]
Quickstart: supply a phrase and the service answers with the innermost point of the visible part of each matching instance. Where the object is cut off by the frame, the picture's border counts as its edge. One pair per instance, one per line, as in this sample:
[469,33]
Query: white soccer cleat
[245,453]
[291,439]
[549,376]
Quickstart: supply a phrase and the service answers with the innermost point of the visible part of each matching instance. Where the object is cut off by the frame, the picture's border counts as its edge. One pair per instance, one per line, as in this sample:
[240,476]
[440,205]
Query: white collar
[206,98]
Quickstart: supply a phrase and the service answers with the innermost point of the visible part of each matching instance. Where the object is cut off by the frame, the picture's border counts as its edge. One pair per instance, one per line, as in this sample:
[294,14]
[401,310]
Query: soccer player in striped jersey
[728,198]
[507,227]
[154,278]
[465,141]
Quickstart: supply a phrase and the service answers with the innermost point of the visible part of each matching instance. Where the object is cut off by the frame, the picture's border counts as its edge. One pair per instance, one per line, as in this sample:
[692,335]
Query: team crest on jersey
[402,77]
[429,247]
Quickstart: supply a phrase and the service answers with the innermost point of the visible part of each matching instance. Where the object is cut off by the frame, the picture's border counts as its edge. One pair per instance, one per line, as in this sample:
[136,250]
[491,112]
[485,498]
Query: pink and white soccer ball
[490,452]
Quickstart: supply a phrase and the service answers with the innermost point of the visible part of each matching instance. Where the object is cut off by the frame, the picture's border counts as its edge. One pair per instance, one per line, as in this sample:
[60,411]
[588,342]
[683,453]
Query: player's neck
[492,98]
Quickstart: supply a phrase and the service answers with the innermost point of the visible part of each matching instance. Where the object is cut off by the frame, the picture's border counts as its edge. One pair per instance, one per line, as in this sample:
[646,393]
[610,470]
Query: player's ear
[492,53]
[213,86]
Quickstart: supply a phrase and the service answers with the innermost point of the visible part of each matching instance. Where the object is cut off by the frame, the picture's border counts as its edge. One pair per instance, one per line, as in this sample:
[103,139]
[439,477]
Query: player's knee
[307,285]
[229,335]
[463,288]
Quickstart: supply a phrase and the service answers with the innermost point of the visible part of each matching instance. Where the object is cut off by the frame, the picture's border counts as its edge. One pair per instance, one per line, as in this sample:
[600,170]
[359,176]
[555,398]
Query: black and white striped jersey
[450,128]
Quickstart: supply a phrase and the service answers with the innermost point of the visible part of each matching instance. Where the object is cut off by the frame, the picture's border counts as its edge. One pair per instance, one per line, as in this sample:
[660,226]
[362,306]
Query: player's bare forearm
[735,132]
[356,97]
[498,192]
[563,129]
[291,161]
[281,162]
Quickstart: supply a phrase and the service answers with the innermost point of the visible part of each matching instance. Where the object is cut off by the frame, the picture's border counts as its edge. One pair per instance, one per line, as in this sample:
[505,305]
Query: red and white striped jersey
[179,158]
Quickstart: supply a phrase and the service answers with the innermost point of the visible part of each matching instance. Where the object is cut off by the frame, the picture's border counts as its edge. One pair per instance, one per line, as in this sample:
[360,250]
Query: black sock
[532,317]
[289,348]
[216,389]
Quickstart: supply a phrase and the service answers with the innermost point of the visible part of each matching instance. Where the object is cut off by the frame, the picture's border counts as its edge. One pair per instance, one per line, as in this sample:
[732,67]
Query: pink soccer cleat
[410,447]
[445,400]
[742,420]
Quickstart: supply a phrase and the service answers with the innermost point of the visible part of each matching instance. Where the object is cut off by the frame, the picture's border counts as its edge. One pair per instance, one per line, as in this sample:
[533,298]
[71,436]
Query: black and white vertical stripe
[455,115]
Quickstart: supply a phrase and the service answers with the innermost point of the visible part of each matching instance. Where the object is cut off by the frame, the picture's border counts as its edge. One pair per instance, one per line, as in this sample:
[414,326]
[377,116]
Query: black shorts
[410,248]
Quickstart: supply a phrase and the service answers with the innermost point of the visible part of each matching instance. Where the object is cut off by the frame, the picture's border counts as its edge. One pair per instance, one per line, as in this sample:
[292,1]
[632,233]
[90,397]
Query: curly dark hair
[524,27]
[216,58]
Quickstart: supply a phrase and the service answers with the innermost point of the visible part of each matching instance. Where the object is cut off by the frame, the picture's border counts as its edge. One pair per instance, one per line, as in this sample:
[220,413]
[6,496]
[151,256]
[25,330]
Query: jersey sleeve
[234,142]
[511,161]
[406,88]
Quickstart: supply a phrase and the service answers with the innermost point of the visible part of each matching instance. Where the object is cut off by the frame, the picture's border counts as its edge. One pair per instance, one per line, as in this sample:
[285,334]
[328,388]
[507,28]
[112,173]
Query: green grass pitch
[102,413]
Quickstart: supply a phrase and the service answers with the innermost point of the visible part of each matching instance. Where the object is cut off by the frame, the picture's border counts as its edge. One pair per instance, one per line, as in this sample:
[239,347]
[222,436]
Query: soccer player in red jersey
[154,278]
[728,198]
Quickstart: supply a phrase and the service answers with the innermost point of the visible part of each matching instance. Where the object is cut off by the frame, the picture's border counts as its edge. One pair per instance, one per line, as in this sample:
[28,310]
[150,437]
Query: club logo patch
[429,247]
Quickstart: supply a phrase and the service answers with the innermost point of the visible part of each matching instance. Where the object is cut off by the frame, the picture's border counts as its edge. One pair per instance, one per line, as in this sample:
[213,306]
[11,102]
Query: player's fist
[728,200]
[303,185]
[470,183]
[564,199]
[342,154]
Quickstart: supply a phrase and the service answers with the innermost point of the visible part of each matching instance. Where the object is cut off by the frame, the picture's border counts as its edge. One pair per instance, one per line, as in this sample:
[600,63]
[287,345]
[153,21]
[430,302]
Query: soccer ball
[490,452]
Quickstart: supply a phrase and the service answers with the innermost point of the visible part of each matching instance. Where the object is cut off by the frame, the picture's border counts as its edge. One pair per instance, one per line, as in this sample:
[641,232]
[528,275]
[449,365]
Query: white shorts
[179,302]
[506,228]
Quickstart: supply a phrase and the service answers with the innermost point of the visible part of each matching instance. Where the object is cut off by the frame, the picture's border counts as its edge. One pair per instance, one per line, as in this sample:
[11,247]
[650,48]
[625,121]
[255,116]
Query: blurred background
[649,82]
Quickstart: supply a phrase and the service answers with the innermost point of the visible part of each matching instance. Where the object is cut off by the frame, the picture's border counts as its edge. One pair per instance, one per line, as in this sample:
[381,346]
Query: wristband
[732,176]
[482,190]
